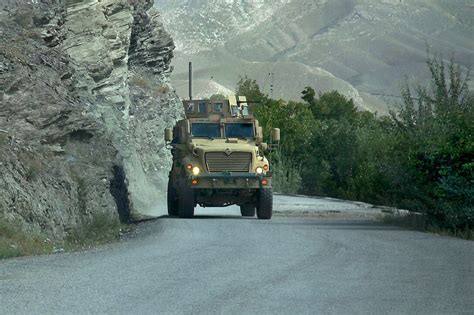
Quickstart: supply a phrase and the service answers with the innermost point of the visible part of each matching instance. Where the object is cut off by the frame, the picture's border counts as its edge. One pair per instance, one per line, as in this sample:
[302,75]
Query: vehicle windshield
[239,131]
[206,130]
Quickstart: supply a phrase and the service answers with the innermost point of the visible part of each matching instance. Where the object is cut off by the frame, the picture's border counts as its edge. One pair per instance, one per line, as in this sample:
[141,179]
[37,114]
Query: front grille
[235,162]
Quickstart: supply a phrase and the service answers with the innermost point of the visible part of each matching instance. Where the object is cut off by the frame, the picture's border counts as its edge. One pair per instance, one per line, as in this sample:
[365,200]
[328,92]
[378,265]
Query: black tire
[247,210]
[265,204]
[172,200]
[186,203]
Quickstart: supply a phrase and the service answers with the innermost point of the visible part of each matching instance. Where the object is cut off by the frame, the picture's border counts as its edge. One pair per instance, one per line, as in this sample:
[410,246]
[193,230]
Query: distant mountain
[362,48]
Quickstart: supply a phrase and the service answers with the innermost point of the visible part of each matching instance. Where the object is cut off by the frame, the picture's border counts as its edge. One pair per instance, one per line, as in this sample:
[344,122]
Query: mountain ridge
[367,46]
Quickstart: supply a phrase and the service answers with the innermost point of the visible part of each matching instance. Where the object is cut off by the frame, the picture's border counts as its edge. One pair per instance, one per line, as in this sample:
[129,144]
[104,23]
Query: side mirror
[276,135]
[264,146]
[168,134]
[259,134]
[183,134]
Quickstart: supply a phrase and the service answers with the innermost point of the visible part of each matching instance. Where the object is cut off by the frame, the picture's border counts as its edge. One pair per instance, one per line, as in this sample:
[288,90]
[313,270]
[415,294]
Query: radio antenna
[190,81]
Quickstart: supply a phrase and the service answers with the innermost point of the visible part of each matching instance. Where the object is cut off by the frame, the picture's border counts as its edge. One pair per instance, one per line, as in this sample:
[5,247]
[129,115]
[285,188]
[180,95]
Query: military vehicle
[219,159]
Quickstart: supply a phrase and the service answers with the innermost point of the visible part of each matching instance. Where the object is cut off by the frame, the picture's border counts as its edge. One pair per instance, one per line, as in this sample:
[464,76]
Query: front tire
[186,203]
[172,200]
[247,210]
[265,204]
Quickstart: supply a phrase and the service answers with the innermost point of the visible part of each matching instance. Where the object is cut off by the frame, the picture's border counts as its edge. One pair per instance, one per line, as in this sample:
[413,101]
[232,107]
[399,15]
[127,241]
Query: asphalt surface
[342,263]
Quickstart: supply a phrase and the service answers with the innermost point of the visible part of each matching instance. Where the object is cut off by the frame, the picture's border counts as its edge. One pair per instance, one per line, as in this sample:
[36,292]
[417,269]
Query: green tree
[420,158]
[249,87]
[436,135]
[217,97]
[329,105]
[296,123]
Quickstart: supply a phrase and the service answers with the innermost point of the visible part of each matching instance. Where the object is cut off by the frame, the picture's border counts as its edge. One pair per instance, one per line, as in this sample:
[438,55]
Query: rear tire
[186,203]
[265,204]
[247,210]
[172,200]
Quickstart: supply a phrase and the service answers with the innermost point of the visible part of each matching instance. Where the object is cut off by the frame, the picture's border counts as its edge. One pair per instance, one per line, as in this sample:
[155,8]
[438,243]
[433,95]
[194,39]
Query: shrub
[435,130]
[286,177]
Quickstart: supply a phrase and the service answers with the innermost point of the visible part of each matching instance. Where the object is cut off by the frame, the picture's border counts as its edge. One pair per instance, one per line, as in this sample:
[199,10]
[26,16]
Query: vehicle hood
[221,145]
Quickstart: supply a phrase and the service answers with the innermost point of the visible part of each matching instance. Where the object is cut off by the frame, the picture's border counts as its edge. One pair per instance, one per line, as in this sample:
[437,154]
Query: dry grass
[34,166]
[101,229]
[14,242]
[161,90]
[139,82]
[3,139]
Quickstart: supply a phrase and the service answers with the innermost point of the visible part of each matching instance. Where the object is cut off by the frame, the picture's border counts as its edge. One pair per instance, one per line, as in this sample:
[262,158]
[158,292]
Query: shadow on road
[210,216]
[344,225]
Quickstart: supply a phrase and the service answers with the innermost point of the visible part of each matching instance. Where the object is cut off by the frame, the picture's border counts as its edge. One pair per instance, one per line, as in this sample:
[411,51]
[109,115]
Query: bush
[286,176]
[435,130]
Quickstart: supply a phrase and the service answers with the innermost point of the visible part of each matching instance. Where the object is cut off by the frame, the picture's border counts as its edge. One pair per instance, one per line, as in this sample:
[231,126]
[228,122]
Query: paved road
[341,264]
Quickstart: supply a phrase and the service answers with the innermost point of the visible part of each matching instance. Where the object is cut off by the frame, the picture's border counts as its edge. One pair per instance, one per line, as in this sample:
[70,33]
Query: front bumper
[230,180]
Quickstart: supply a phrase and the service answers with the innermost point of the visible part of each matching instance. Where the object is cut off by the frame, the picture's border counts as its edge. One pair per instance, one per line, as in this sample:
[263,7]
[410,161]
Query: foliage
[420,158]
[217,97]
[436,131]
[331,105]
[295,121]
[286,176]
[249,88]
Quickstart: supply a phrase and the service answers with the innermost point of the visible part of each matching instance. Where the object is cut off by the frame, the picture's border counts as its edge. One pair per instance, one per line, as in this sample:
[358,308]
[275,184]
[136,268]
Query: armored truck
[219,159]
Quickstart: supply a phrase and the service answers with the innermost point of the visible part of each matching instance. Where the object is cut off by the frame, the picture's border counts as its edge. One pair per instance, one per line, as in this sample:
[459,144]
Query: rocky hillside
[85,99]
[362,48]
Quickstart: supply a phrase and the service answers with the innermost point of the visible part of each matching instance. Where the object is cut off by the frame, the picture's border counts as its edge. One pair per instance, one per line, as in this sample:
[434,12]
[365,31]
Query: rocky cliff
[85,99]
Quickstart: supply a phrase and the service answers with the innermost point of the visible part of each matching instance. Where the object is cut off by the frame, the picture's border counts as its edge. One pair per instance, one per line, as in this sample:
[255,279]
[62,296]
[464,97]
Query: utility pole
[272,83]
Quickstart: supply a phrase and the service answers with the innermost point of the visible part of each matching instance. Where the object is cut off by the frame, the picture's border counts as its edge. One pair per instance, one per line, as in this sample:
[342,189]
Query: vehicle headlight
[259,170]
[196,171]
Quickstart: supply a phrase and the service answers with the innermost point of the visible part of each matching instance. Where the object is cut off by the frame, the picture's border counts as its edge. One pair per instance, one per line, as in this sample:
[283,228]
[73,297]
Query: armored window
[206,130]
[202,108]
[235,111]
[218,107]
[190,108]
[245,110]
[239,131]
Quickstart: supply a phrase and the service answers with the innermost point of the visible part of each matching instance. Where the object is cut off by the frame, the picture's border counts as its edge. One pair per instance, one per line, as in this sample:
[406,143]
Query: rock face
[85,99]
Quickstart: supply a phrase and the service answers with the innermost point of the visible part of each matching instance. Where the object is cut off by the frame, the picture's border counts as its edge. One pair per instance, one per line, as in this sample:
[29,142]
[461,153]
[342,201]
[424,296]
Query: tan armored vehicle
[218,159]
